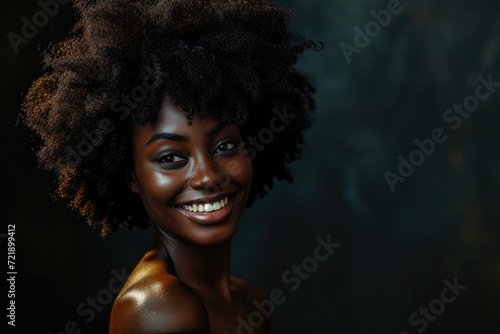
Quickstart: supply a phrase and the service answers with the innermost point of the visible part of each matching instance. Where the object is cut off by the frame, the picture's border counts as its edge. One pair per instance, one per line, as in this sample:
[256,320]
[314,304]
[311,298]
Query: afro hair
[232,59]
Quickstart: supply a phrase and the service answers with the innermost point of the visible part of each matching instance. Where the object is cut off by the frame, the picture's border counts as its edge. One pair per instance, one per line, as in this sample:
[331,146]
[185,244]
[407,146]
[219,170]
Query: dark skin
[194,182]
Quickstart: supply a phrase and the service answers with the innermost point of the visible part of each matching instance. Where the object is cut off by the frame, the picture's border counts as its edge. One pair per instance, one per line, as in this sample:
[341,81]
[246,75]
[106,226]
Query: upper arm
[160,307]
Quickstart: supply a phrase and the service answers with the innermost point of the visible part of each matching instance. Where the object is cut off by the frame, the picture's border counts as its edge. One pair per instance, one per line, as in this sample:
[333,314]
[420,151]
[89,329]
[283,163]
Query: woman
[175,115]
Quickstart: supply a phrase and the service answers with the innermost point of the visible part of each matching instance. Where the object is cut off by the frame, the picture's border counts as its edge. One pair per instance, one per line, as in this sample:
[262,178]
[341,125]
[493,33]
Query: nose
[208,177]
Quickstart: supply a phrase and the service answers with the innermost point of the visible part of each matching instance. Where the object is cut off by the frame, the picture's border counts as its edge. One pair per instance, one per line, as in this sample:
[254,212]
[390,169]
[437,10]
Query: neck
[203,268]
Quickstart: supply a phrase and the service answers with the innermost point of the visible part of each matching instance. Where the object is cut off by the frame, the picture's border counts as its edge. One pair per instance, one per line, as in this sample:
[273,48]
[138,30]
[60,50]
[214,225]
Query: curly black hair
[232,59]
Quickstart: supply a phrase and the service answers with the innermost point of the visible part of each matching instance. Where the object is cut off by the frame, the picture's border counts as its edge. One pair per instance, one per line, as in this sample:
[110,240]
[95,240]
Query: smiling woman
[182,165]
[158,101]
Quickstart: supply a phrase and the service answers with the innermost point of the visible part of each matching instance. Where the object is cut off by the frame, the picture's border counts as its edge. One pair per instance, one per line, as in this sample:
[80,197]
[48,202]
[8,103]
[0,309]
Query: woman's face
[193,179]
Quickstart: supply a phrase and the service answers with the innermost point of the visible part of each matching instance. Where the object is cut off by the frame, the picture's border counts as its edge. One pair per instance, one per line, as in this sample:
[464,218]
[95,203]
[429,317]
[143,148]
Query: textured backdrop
[401,172]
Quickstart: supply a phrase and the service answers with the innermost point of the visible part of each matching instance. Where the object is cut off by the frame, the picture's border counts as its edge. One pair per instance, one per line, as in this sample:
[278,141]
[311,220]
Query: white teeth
[209,207]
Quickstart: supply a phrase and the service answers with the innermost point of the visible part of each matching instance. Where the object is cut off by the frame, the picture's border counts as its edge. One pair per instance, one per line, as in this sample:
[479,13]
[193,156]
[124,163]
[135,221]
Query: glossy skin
[182,284]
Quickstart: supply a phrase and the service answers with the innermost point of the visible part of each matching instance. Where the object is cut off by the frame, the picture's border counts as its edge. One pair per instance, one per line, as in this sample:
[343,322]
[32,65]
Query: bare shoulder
[158,304]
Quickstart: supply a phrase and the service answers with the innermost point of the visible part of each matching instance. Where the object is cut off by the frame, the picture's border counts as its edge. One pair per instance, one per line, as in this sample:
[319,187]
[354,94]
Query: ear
[131,180]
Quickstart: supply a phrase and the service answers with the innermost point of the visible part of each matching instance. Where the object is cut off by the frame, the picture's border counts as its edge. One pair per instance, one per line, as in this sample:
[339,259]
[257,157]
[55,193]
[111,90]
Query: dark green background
[396,247]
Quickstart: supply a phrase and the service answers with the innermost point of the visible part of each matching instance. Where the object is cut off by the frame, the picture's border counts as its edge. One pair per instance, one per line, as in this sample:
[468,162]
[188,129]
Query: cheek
[240,170]
[157,187]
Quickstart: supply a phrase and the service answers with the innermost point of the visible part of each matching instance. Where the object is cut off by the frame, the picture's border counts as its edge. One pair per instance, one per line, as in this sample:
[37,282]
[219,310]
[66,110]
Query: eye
[171,160]
[227,146]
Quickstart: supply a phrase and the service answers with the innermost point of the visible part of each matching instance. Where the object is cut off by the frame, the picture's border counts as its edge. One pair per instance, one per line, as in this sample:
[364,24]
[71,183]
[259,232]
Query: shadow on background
[406,235]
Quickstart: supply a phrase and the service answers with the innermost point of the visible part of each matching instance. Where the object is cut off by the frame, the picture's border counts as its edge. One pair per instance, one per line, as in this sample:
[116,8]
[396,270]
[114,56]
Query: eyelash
[226,143]
[162,158]
[179,163]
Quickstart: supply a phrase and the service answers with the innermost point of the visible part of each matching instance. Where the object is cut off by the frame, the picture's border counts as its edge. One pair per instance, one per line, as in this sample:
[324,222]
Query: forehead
[173,119]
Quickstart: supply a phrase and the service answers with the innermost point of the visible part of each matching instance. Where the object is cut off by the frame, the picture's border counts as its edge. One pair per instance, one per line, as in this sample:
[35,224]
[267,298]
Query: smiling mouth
[207,207]
[208,211]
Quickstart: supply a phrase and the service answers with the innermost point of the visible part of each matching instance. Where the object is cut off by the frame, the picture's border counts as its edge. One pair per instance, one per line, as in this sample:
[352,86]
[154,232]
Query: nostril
[212,189]
[221,180]
[209,181]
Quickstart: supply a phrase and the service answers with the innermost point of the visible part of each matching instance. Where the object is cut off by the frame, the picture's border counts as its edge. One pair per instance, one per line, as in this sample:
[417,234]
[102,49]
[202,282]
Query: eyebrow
[183,139]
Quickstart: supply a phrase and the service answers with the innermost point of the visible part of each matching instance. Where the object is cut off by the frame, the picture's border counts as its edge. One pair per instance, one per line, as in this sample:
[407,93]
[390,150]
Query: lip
[203,200]
[214,217]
